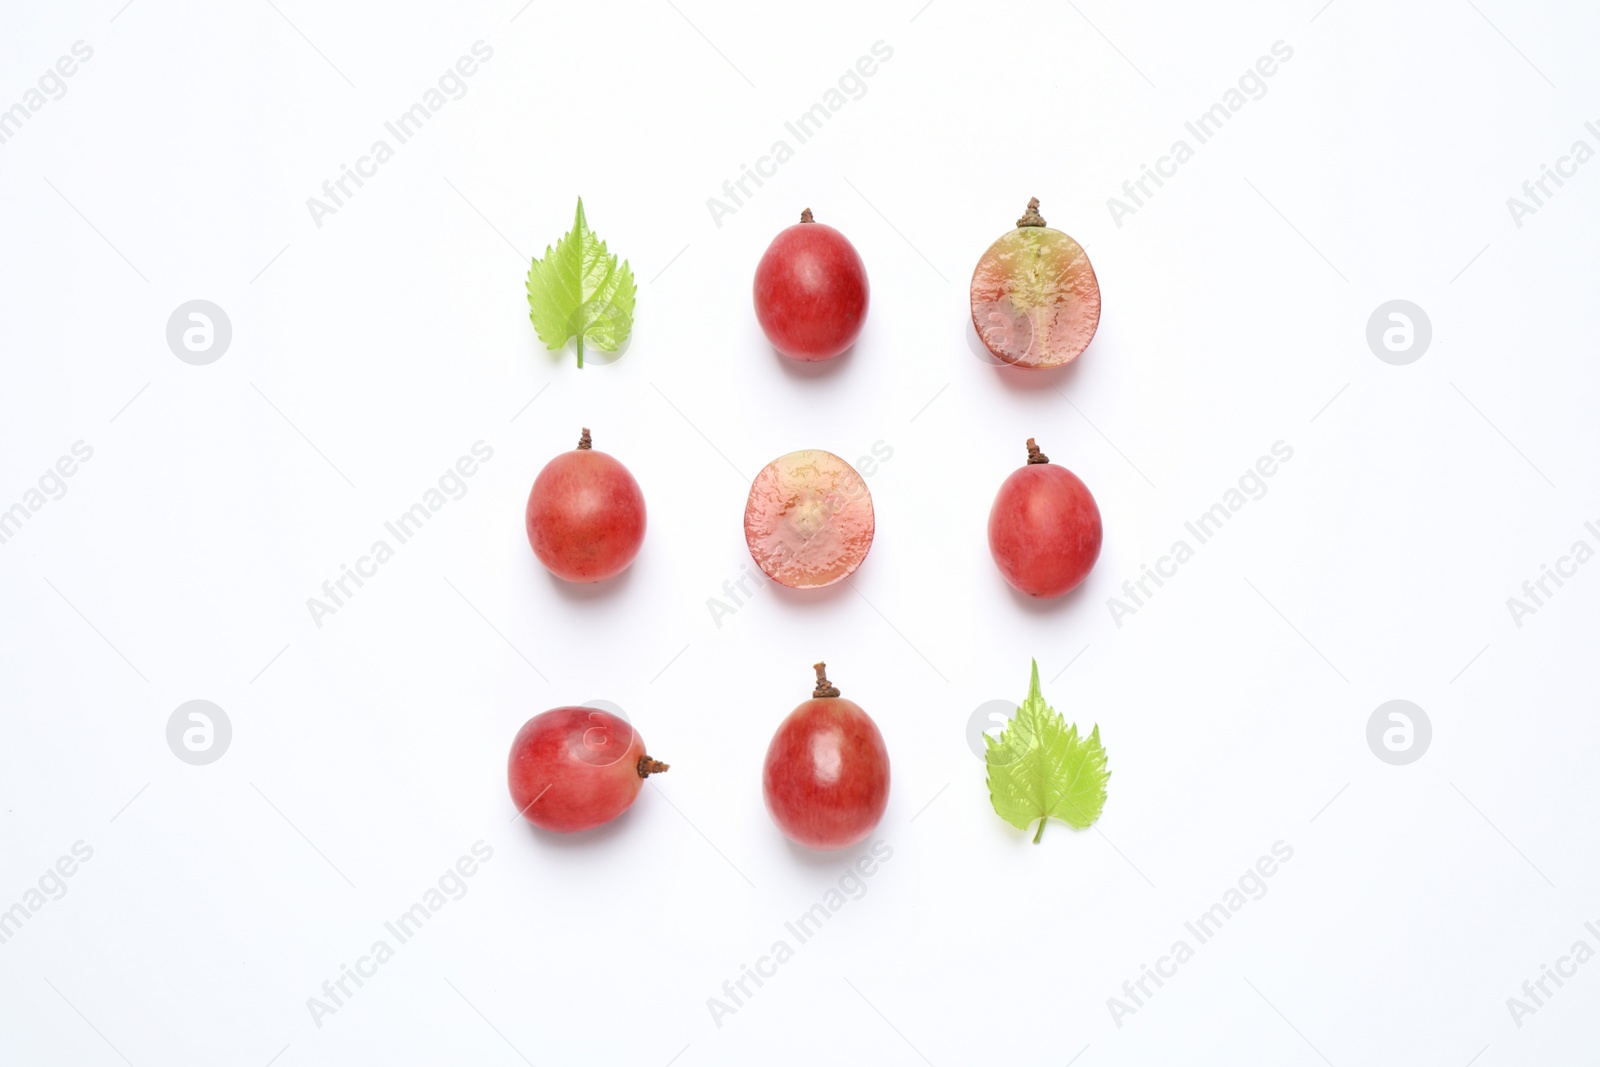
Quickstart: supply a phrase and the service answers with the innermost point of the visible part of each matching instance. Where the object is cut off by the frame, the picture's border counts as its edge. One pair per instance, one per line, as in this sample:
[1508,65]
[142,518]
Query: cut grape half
[809,520]
[1035,297]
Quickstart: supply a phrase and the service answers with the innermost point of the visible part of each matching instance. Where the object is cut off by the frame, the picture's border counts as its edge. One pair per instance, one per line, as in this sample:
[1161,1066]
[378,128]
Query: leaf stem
[1042,820]
[580,350]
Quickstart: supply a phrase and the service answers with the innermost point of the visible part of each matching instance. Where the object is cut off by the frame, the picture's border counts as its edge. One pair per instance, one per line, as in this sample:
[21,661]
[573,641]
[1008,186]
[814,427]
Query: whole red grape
[811,291]
[574,768]
[585,515]
[826,779]
[1044,528]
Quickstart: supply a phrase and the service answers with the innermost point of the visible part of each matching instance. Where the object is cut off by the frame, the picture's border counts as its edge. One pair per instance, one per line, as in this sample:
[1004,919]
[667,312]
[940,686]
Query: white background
[368,354]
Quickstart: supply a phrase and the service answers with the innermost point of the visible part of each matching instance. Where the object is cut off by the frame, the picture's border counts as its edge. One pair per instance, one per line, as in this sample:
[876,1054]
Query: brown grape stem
[647,766]
[1034,455]
[583,440]
[824,687]
[1031,217]
[1040,832]
[805,216]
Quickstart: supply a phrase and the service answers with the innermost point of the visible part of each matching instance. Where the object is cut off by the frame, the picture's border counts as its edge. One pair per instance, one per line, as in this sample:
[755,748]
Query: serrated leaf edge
[615,287]
[1035,708]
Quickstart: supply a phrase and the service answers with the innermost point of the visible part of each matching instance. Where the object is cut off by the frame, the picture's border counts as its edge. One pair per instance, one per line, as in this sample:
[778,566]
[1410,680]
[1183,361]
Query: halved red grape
[1044,528]
[808,520]
[585,515]
[826,778]
[1035,297]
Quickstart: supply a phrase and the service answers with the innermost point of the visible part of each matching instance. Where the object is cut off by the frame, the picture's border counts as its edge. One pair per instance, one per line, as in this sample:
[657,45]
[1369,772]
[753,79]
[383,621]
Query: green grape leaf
[578,290]
[1041,768]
